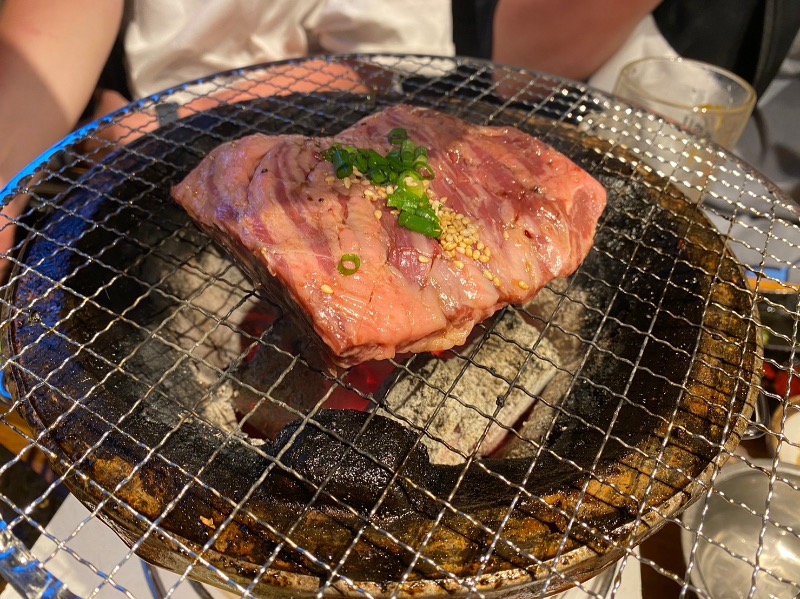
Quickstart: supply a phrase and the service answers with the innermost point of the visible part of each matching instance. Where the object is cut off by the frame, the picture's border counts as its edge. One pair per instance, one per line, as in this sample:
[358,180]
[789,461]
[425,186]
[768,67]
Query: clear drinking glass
[703,98]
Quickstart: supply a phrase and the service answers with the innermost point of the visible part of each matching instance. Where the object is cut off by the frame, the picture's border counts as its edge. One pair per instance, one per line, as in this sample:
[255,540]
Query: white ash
[274,388]
[562,309]
[208,299]
[467,402]
[218,410]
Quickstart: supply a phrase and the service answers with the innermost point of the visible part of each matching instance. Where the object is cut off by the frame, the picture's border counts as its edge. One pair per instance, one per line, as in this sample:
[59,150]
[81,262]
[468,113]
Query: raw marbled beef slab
[526,211]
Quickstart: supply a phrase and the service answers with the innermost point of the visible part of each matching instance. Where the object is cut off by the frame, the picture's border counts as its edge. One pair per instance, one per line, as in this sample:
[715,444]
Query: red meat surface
[275,204]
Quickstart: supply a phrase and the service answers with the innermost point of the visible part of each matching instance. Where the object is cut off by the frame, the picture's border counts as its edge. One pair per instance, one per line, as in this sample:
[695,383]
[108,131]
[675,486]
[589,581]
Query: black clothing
[748,37]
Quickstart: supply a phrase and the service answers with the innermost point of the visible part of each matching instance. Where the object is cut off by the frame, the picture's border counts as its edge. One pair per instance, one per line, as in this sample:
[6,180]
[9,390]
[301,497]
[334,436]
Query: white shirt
[168,43]
[644,40]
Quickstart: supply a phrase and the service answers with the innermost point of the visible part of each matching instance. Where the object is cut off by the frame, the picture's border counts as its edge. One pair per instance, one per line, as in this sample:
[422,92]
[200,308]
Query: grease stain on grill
[178,387]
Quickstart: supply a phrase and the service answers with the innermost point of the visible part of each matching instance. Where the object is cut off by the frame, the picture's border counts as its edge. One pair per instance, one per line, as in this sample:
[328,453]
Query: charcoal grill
[126,336]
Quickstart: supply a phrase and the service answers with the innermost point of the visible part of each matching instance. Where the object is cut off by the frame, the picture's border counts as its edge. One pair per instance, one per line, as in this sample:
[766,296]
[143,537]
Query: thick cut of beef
[515,213]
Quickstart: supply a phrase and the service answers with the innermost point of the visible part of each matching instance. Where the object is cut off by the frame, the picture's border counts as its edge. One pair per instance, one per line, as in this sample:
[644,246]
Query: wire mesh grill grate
[558,448]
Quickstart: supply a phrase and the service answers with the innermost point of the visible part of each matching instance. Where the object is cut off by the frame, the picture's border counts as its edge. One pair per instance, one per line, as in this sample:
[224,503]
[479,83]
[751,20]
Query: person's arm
[51,56]
[568,38]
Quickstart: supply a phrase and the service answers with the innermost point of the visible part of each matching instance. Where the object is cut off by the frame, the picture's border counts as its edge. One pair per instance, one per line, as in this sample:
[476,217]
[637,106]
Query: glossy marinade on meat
[514,212]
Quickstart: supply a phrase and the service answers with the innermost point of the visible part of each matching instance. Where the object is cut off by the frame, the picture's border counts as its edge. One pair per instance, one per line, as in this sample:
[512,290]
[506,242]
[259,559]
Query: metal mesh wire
[149,379]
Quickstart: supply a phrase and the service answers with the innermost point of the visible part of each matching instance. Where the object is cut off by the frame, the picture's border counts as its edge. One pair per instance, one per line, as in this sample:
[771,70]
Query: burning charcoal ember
[272,387]
[537,424]
[467,401]
[560,307]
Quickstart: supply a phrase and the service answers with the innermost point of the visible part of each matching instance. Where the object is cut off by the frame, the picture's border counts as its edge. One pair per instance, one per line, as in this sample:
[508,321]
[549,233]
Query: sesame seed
[347,182]
[496,282]
[423,259]
[330,179]
[460,235]
[378,214]
[487,252]
[458,264]
[505,235]
[370,195]
[488,274]
[523,285]
[326,289]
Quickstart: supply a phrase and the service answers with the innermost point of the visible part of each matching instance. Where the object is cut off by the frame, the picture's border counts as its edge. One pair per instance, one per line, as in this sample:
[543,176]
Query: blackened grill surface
[136,434]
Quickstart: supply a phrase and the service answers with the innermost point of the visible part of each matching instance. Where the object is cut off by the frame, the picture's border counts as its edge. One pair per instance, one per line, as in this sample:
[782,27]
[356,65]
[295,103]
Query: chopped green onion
[372,158]
[412,183]
[411,173]
[349,264]
[407,152]
[342,162]
[419,224]
[377,176]
[424,169]
[402,199]
[361,162]
[344,170]
[406,168]
[397,136]
[427,213]
[395,162]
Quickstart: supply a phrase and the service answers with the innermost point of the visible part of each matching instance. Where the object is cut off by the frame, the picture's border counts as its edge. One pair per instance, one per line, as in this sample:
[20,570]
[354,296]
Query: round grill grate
[166,435]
